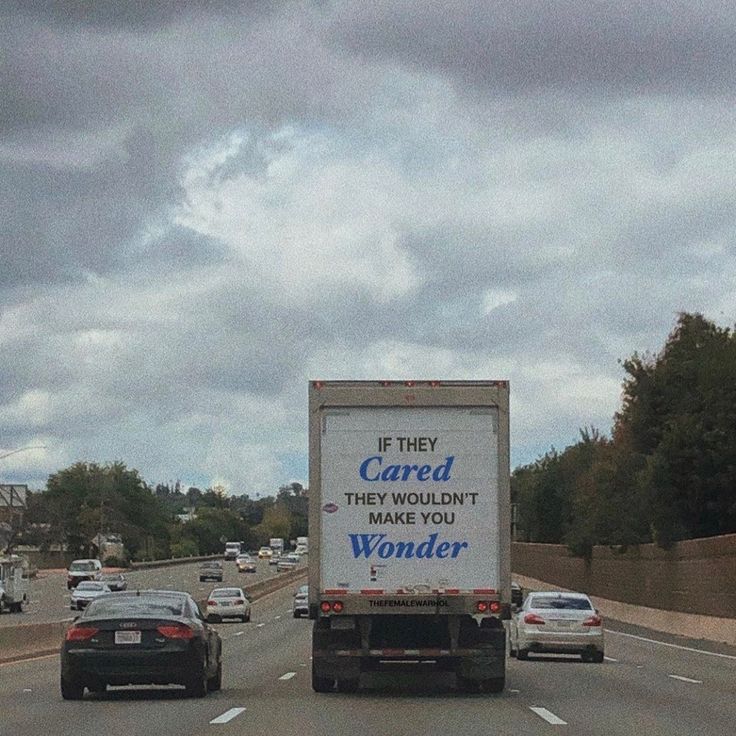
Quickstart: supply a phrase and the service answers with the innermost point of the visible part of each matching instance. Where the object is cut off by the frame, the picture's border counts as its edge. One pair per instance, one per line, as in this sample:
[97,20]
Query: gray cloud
[202,209]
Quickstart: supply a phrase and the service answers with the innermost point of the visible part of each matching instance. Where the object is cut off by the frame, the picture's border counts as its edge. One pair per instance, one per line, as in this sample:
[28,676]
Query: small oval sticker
[329,508]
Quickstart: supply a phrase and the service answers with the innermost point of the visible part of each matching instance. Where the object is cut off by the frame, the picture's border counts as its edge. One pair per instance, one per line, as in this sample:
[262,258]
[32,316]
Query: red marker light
[495,607]
[481,606]
[338,606]
[325,606]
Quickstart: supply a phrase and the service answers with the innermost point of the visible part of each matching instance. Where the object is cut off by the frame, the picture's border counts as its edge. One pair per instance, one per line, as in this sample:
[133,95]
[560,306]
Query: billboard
[13,496]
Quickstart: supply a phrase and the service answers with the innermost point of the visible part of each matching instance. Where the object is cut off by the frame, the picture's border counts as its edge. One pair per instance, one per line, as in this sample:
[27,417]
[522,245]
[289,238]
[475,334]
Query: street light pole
[22,449]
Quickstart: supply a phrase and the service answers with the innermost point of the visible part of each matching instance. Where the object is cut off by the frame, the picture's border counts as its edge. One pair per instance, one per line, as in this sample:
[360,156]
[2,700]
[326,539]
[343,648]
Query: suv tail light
[176,631]
[593,621]
[532,618]
[80,633]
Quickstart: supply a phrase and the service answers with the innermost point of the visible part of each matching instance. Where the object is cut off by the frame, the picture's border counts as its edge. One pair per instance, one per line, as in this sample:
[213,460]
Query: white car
[87,591]
[80,570]
[228,603]
[557,623]
[287,562]
[301,601]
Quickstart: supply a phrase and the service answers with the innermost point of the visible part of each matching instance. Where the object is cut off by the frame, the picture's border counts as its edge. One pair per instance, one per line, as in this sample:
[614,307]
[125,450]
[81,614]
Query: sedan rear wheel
[71,689]
[197,687]
[215,682]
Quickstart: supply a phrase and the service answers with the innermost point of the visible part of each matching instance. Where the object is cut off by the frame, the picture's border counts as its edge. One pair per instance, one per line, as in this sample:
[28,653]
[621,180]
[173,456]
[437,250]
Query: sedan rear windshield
[227,593]
[82,566]
[118,606]
[562,602]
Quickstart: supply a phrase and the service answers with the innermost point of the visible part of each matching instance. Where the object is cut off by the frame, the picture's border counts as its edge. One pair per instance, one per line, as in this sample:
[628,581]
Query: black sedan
[141,638]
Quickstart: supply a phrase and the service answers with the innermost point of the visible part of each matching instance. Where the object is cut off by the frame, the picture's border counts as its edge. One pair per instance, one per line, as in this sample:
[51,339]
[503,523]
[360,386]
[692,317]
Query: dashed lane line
[610,659]
[259,626]
[548,716]
[228,715]
[673,646]
[685,679]
[287,676]
[239,633]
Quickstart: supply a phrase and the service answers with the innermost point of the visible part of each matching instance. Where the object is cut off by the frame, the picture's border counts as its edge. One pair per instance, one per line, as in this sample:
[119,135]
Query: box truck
[409,519]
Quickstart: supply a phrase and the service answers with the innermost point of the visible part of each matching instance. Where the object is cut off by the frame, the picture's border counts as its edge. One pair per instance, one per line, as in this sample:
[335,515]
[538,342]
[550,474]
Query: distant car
[232,550]
[114,580]
[245,563]
[301,602]
[288,562]
[557,623]
[80,570]
[141,638]
[86,592]
[274,559]
[265,553]
[228,603]
[210,571]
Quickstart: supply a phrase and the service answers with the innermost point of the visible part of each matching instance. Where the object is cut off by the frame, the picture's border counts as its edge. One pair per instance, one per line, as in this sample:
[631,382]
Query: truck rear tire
[348,686]
[321,684]
[494,685]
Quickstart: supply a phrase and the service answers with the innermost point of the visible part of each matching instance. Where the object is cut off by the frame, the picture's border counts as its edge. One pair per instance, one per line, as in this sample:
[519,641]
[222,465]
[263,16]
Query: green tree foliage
[88,498]
[668,472]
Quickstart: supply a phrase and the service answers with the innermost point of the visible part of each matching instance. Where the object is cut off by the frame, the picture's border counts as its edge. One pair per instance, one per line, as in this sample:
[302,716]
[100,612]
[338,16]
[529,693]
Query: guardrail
[25,641]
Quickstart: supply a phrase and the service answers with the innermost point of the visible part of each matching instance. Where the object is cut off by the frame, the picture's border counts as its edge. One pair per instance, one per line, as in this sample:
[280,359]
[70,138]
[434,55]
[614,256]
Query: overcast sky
[203,205]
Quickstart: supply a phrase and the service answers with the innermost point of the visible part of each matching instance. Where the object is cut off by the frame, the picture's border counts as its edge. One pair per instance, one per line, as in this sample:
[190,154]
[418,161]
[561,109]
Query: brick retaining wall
[696,576]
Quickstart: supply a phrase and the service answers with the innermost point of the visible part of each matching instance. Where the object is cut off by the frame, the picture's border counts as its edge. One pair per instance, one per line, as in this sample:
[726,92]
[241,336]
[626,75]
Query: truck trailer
[409,519]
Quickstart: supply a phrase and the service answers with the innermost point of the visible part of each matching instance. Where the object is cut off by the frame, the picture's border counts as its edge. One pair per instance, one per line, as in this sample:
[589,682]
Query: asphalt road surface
[669,687]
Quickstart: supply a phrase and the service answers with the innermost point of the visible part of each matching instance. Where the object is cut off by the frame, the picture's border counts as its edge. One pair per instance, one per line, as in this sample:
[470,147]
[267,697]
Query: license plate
[127,637]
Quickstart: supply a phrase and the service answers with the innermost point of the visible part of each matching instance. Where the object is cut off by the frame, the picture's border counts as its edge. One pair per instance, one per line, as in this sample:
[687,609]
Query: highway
[49,597]
[663,687]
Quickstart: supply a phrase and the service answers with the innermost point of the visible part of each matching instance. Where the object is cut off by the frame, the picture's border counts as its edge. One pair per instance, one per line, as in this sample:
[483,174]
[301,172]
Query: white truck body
[232,550]
[409,515]
[277,545]
[14,584]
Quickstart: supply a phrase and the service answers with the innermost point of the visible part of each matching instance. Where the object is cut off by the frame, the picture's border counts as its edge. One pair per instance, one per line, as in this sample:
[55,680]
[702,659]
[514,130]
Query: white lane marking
[287,676]
[278,618]
[228,715]
[610,659]
[513,691]
[239,633]
[548,716]
[685,679]
[674,646]
[258,626]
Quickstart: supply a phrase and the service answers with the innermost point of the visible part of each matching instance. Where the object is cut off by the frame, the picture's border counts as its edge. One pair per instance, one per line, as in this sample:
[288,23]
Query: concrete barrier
[25,641]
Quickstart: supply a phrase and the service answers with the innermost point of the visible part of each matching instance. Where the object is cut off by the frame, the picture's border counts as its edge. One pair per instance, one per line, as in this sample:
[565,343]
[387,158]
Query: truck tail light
[176,631]
[481,606]
[494,607]
[532,618]
[334,606]
[593,621]
[80,633]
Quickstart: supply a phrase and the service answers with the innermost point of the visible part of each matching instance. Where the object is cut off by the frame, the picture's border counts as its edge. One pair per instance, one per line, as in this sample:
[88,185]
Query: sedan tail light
[176,631]
[239,602]
[211,603]
[593,621]
[80,633]
[532,618]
